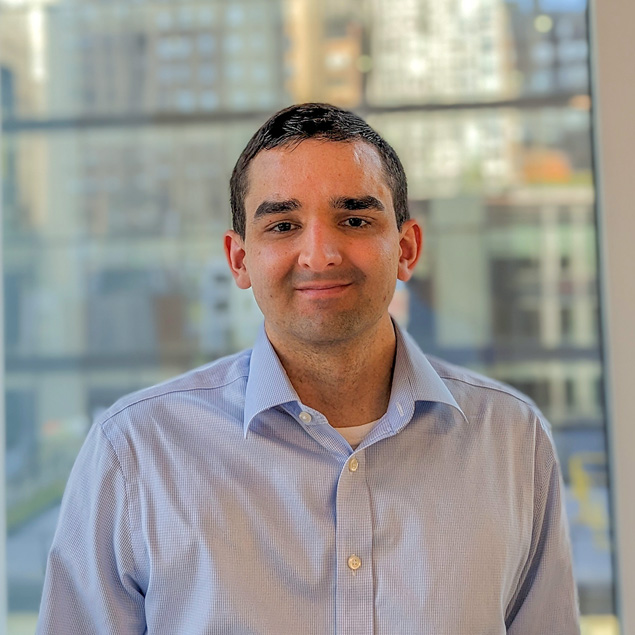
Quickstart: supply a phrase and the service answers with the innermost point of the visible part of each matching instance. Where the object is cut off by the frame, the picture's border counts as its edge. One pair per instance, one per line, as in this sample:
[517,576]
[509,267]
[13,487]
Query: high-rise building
[428,51]
[207,58]
[551,50]
[325,52]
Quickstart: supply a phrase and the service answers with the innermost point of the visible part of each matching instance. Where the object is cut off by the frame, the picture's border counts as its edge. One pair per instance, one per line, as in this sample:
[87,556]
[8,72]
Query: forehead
[317,163]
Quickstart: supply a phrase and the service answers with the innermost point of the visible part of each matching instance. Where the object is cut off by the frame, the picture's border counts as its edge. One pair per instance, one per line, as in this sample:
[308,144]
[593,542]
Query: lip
[323,289]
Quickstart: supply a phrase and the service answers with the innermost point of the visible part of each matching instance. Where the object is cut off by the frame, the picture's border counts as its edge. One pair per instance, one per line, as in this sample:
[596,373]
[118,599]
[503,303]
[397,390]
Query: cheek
[385,261]
[267,269]
[389,271]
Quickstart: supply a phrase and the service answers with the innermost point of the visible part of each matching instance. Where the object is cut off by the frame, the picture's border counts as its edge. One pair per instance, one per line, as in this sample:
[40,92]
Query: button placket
[354,545]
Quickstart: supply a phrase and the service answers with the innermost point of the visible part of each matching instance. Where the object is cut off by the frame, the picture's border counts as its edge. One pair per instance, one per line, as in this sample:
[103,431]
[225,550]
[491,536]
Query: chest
[398,538]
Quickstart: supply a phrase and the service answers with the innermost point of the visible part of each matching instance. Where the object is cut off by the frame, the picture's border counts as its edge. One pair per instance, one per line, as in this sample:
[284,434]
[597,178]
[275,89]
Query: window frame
[612,46]
[3,504]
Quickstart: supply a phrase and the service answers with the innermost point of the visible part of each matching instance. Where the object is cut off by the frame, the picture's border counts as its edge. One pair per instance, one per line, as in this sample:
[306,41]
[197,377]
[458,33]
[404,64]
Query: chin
[327,332]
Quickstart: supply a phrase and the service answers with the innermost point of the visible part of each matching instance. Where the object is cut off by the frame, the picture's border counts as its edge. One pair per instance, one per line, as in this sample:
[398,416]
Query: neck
[349,382]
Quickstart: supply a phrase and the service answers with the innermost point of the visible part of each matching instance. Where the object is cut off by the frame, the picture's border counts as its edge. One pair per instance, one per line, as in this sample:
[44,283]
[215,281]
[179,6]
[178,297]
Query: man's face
[322,251]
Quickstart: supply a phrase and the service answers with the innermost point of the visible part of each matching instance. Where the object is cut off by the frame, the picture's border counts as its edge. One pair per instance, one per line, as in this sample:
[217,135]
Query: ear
[235,254]
[410,244]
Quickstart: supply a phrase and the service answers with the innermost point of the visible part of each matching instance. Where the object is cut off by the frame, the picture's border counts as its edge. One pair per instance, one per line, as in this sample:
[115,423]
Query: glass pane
[121,124]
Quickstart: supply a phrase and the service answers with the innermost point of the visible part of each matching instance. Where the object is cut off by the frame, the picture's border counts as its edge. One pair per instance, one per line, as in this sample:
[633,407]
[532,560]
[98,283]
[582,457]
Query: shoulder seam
[102,422]
[517,397]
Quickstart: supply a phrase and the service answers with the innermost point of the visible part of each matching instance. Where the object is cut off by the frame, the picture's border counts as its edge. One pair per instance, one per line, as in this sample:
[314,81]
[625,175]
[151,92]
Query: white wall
[612,23]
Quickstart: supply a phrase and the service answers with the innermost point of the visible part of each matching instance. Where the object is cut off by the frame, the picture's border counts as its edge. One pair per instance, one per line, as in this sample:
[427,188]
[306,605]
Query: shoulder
[215,383]
[474,382]
[503,420]
[481,396]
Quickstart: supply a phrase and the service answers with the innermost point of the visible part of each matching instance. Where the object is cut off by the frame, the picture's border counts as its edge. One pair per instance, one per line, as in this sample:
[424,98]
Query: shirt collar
[413,367]
[269,386]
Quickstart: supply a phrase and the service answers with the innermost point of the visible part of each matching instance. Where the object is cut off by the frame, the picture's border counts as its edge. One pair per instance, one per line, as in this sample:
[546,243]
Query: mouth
[323,289]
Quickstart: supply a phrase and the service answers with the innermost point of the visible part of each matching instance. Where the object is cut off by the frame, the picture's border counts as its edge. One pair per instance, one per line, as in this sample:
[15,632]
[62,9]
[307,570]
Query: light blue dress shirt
[218,503]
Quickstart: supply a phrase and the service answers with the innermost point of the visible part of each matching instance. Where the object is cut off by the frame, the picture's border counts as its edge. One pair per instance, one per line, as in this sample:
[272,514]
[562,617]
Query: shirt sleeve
[546,599]
[90,582]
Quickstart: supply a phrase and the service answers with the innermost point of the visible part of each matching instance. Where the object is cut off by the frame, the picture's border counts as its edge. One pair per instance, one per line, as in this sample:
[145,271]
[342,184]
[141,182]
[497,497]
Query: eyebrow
[350,203]
[353,203]
[276,207]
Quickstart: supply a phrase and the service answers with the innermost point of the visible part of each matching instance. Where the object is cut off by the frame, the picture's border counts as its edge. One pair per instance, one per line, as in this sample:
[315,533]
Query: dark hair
[297,123]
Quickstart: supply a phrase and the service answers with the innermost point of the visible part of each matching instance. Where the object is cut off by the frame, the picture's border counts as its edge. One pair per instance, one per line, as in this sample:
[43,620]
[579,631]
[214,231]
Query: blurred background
[121,122]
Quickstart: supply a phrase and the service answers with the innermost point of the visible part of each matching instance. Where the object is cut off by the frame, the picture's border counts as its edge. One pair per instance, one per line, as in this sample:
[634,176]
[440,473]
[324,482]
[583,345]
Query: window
[120,129]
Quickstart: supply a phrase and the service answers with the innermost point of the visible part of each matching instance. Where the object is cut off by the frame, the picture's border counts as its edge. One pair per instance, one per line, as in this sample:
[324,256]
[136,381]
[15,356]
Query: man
[332,479]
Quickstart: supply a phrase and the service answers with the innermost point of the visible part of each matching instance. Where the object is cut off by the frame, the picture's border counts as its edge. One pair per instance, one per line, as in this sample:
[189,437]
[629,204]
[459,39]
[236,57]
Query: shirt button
[353,464]
[305,417]
[354,562]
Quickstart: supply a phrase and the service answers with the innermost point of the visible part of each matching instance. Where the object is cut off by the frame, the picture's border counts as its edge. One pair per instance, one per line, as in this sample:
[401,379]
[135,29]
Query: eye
[280,228]
[356,222]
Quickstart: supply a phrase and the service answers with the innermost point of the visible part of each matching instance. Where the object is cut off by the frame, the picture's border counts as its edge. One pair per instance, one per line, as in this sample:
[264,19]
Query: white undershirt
[355,434]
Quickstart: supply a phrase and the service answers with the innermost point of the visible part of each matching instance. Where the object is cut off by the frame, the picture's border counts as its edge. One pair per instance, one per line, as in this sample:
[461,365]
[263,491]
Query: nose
[320,248]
